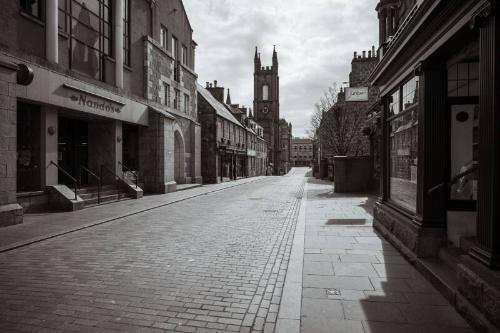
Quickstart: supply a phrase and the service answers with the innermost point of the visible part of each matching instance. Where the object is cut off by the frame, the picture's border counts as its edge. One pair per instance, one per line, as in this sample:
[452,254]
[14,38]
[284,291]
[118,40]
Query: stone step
[442,276]
[466,243]
[451,256]
[89,189]
[91,195]
[106,199]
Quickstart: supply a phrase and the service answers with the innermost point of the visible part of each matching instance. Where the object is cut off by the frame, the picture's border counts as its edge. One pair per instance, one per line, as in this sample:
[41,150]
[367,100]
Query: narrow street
[219,262]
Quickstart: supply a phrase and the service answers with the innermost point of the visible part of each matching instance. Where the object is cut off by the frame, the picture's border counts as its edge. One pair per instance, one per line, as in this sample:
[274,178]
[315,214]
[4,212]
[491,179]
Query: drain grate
[270,211]
[333,292]
[346,222]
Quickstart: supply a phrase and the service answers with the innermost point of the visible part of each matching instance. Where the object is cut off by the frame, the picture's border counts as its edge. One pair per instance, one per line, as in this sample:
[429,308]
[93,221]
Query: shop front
[73,138]
[440,154]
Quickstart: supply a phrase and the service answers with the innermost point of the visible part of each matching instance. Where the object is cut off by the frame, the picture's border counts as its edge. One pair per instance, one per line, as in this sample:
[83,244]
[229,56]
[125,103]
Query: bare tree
[337,125]
[340,130]
[326,102]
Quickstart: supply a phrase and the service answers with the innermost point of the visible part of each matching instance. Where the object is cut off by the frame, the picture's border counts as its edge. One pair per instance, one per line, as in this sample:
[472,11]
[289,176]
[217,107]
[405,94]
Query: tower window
[265,92]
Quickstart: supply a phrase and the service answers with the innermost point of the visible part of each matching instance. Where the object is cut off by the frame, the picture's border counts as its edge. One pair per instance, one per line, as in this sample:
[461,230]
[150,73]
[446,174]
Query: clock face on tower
[266,110]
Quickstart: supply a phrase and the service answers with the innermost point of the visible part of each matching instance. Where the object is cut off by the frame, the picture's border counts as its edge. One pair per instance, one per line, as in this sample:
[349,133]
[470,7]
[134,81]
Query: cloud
[315,40]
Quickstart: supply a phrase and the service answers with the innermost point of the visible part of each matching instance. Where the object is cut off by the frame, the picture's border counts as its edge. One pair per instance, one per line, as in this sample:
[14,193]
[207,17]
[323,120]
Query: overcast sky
[315,40]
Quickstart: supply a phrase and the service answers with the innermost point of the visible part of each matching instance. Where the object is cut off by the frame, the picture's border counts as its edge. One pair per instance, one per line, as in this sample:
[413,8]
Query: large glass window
[463,79]
[403,137]
[91,36]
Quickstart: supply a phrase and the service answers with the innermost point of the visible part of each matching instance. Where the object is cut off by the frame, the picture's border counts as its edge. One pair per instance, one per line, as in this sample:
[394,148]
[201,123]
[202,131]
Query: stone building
[111,98]
[267,107]
[302,152]
[285,146]
[440,165]
[233,144]
[224,148]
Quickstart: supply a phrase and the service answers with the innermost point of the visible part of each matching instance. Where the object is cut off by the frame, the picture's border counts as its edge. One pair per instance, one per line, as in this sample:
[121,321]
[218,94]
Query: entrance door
[72,149]
[462,196]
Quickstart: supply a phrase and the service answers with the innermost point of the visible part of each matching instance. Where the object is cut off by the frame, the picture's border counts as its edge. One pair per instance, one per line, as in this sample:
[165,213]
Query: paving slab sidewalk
[352,280]
[37,227]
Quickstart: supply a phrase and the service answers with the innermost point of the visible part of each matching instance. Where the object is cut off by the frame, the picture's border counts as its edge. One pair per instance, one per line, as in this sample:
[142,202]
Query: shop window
[403,139]
[32,7]
[91,36]
[29,169]
[463,80]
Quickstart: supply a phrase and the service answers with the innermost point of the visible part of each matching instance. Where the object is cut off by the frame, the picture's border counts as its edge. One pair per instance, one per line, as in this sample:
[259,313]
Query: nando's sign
[93,103]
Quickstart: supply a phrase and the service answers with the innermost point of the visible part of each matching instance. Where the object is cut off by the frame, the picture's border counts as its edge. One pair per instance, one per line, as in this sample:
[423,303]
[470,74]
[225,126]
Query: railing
[453,181]
[66,173]
[99,182]
[106,170]
[136,176]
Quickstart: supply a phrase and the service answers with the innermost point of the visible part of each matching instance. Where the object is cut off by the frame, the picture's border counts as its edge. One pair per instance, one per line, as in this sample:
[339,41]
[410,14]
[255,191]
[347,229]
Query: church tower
[266,106]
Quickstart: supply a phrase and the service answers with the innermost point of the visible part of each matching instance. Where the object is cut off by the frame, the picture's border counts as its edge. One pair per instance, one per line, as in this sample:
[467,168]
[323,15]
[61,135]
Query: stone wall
[352,174]
[10,211]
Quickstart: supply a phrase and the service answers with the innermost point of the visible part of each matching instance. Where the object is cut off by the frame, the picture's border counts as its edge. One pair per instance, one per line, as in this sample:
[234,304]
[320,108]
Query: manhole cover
[346,222]
[333,292]
[270,211]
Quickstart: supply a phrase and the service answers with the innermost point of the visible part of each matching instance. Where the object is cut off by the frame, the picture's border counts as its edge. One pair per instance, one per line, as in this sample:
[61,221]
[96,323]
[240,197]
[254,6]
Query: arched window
[265,92]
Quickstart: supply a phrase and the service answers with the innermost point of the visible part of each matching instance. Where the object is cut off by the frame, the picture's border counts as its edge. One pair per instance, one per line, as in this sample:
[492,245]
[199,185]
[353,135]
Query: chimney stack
[364,54]
[355,55]
[215,83]
[208,84]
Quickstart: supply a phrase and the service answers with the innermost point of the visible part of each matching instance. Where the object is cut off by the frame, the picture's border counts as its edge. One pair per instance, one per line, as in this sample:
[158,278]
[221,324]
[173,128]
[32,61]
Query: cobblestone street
[280,254]
[213,263]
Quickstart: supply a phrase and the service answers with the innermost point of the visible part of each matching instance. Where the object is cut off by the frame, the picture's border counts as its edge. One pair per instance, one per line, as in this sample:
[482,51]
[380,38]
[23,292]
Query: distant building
[233,144]
[302,152]
[223,142]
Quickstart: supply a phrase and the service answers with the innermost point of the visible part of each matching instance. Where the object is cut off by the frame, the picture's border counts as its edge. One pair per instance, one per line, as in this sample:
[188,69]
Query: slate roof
[219,108]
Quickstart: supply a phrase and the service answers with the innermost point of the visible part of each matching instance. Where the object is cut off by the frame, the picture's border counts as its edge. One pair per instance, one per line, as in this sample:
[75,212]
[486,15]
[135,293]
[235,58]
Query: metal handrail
[99,182]
[111,172]
[453,181]
[136,176]
[66,173]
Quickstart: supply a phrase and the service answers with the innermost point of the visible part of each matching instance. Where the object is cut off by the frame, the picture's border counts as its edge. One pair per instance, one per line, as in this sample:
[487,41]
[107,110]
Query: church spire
[228,98]
[275,57]
[256,60]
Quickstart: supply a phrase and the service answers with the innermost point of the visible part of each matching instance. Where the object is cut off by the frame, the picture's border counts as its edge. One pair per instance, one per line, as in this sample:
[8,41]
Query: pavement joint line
[35,240]
[291,323]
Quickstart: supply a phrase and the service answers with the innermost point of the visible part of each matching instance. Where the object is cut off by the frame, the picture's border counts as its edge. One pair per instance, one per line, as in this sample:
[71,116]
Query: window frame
[23,4]
[163,37]
[402,112]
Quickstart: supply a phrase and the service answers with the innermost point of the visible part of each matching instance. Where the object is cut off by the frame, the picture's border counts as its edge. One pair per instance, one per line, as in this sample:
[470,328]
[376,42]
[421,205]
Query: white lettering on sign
[84,100]
[359,94]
